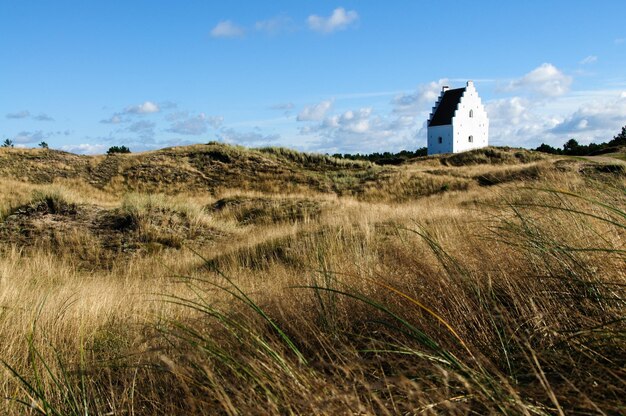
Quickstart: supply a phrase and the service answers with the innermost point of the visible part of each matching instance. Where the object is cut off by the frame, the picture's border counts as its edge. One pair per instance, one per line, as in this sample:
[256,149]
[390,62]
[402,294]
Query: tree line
[385,158]
[573,148]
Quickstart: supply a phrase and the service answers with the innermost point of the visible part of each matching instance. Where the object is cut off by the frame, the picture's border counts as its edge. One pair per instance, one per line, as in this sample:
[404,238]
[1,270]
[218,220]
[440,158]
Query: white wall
[465,126]
[456,136]
[446,134]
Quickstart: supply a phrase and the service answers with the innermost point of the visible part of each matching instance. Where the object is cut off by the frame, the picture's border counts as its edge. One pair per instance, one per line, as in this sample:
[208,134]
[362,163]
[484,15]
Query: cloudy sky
[323,76]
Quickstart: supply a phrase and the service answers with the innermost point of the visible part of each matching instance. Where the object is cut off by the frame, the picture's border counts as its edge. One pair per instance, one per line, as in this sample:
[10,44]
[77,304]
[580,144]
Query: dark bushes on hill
[118,149]
[385,158]
[573,148]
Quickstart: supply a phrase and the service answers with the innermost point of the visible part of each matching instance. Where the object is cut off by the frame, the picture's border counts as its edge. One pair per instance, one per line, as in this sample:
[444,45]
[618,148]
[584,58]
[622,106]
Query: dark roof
[446,108]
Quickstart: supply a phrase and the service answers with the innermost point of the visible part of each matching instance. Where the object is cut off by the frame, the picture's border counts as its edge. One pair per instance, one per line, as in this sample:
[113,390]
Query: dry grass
[425,293]
[213,167]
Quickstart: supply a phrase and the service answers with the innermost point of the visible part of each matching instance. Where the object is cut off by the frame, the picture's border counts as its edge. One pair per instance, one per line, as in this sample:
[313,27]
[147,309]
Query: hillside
[107,210]
[215,279]
[192,168]
[214,167]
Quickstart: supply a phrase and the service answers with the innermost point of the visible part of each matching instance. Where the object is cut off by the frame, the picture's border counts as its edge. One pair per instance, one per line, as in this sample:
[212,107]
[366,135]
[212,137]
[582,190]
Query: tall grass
[492,300]
[313,160]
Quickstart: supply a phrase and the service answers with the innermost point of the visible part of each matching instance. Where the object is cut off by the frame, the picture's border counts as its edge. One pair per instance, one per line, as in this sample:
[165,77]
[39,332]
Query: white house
[458,121]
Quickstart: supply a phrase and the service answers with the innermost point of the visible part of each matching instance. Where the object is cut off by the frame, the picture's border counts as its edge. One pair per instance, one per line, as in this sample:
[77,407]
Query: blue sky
[351,76]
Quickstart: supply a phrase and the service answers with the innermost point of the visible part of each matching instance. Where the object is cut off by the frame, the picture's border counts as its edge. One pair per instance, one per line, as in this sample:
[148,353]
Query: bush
[118,149]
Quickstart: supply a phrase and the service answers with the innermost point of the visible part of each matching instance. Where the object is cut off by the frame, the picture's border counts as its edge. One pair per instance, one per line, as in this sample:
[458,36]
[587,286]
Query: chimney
[445,88]
[470,82]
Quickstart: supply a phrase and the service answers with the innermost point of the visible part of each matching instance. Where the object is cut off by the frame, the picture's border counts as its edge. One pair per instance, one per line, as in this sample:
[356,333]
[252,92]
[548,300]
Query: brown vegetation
[221,280]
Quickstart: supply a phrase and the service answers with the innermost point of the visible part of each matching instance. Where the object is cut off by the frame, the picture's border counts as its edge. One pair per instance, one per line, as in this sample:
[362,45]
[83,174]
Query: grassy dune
[222,280]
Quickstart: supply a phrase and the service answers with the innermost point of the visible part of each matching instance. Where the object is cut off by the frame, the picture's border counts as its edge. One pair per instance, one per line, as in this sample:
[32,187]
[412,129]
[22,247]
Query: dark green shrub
[118,149]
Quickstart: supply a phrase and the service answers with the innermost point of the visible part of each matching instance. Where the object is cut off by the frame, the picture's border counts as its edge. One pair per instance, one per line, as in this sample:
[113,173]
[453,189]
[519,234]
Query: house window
[471,113]
[470,139]
[440,140]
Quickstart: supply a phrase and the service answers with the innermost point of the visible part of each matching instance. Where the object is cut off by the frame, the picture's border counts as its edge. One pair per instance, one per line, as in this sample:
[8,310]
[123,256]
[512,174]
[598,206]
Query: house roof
[446,108]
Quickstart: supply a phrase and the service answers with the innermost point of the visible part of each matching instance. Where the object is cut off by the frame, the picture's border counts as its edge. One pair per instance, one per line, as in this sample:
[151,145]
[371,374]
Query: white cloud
[596,118]
[619,41]
[167,105]
[177,115]
[512,110]
[315,112]
[114,119]
[589,60]
[145,108]
[215,121]
[141,126]
[420,100]
[31,137]
[517,121]
[85,148]
[25,114]
[43,117]
[545,80]
[19,114]
[227,29]
[144,128]
[286,108]
[584,115]
[283,106]
[350,121]
[194,126]
[275,25]
[340,19]
[362,131]
[253,139]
